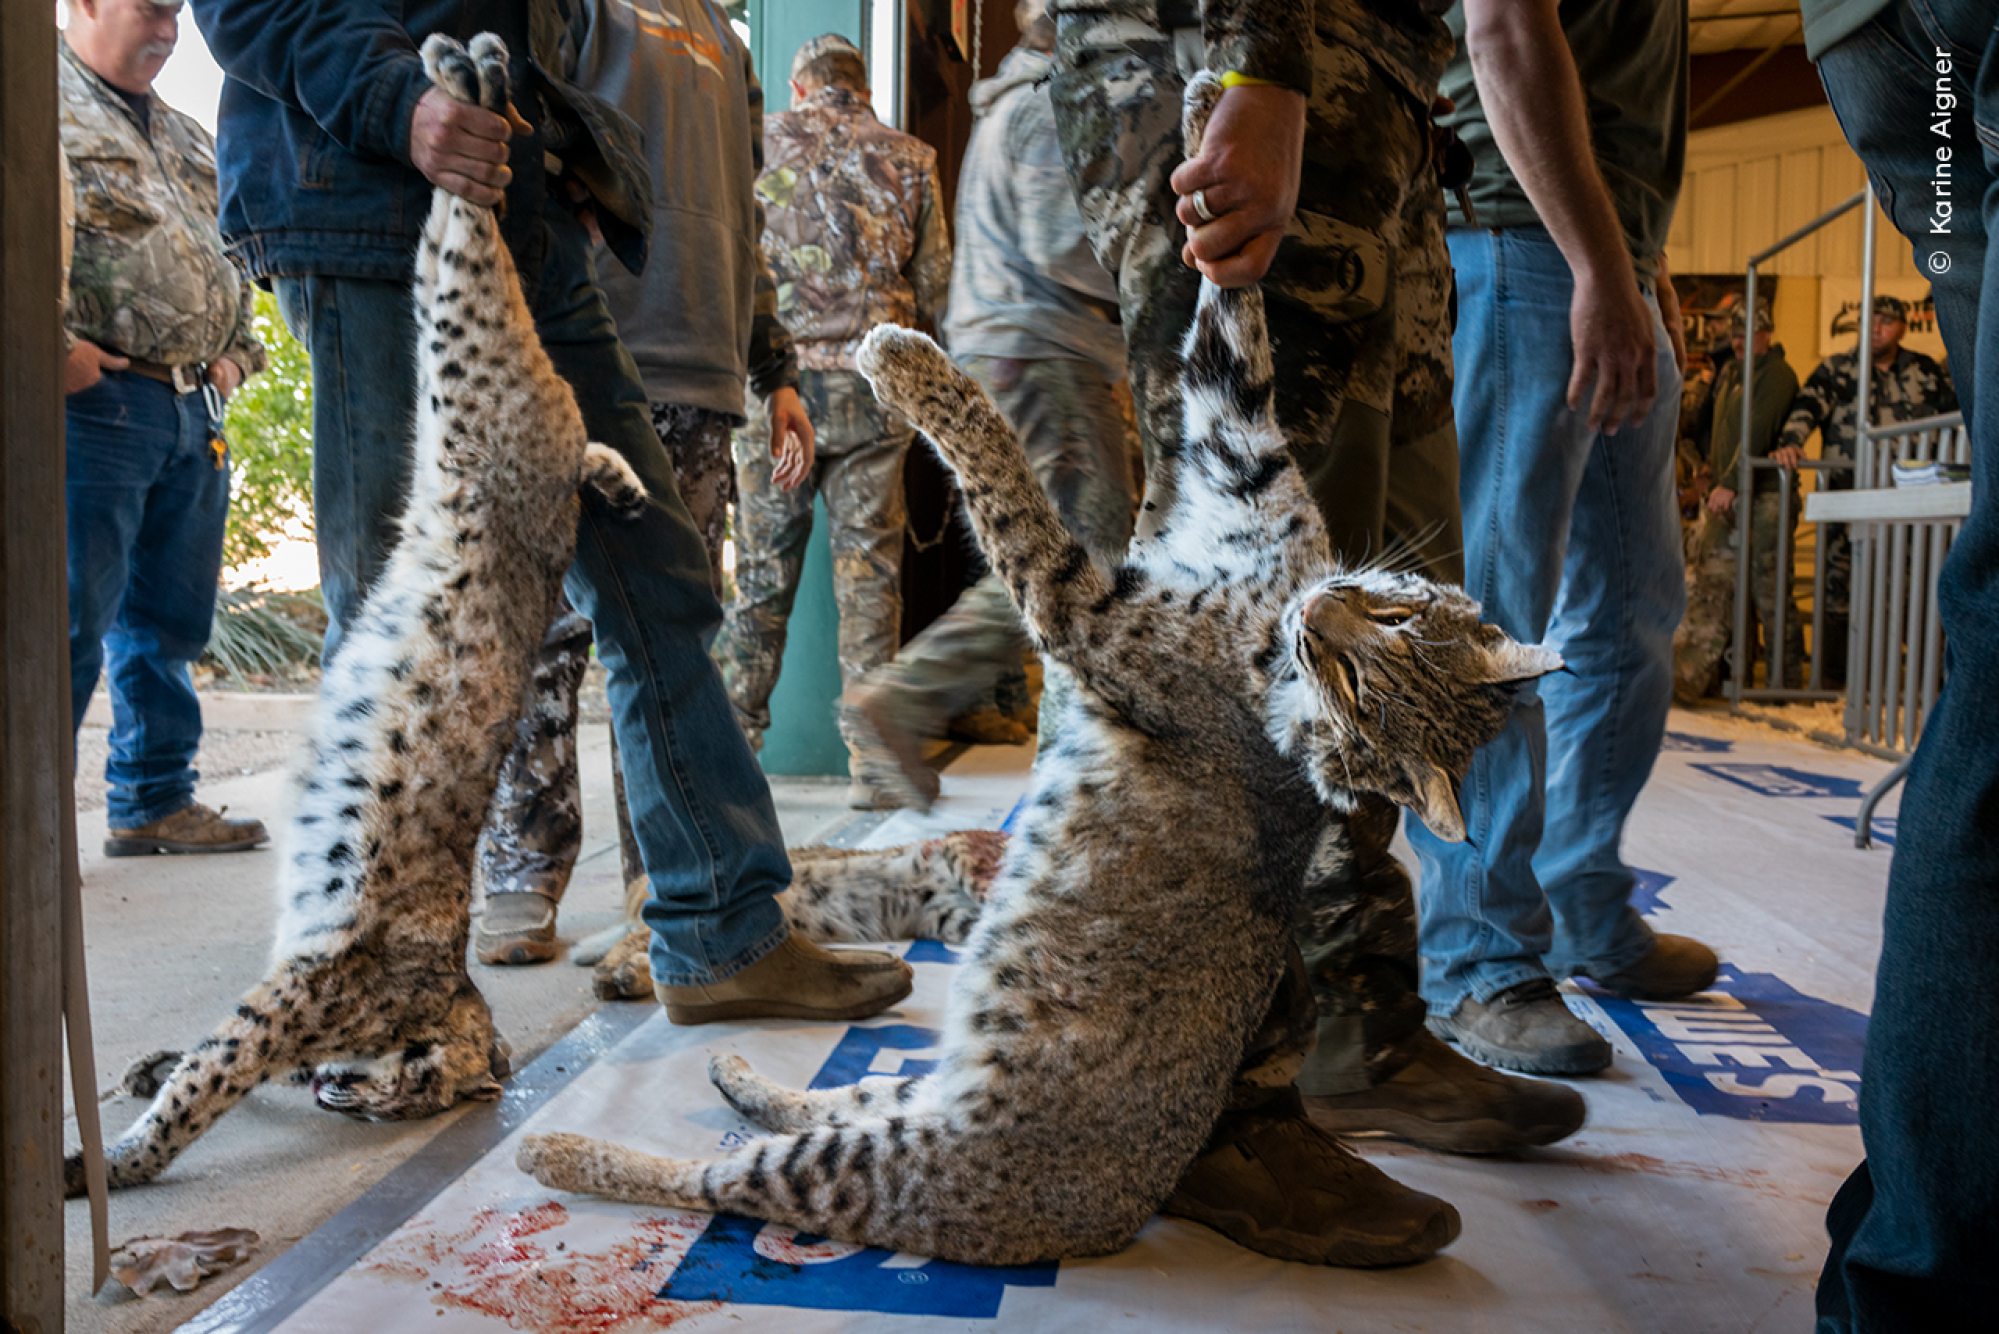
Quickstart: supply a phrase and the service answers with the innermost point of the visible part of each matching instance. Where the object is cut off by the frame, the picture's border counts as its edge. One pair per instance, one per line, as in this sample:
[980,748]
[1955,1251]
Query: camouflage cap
[1763,321]
[819,46]
[1893,307]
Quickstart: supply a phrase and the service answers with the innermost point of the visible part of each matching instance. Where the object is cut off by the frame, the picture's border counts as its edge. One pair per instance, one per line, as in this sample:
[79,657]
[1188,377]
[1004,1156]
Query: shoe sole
[1319,1249]
[687,1015]
[1576,1061]
[1475,1138]
[513,952]
[149,847]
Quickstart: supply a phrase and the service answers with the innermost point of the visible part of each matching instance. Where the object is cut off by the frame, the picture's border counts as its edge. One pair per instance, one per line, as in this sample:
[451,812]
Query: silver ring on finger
[1200,198]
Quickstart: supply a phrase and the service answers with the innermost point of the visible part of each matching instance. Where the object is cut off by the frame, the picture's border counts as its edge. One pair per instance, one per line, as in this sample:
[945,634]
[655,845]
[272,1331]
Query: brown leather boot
[1272,1181]
[1441,1100]
[1675,967]
[797,980]
[192,828]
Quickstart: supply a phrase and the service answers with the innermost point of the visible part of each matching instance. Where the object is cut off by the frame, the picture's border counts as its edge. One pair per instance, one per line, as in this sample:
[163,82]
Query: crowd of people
[1489,395]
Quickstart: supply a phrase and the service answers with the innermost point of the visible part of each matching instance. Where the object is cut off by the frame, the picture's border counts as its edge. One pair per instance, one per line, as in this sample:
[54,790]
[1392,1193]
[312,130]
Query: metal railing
[1895,659]
[1741,665]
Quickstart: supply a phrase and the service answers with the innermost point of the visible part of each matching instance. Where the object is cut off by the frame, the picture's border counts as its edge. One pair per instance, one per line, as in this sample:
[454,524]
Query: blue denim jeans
[147,500]
[1915,1229]
[700,807]
[1570,537]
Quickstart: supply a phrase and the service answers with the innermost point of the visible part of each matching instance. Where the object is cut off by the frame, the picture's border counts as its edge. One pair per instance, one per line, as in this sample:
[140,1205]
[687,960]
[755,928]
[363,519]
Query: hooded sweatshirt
[1025,283]
[701,319]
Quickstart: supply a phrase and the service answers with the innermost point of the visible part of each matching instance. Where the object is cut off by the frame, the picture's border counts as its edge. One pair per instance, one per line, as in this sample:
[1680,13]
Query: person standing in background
[158,327]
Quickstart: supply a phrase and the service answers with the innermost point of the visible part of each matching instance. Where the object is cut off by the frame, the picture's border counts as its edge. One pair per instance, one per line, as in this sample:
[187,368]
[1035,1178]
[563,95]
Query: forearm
[1528,85]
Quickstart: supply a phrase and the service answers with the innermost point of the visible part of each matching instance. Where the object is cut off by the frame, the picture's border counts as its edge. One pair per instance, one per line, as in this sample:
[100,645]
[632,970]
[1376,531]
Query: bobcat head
[1397,683]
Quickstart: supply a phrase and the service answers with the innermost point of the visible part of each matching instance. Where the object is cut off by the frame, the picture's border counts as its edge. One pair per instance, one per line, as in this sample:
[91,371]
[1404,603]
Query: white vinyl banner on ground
[1694,1199]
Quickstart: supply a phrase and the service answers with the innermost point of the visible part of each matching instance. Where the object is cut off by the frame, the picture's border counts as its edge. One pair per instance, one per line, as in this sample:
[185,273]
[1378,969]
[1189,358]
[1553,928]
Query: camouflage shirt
[1914,386]
[149,278]
[853,225]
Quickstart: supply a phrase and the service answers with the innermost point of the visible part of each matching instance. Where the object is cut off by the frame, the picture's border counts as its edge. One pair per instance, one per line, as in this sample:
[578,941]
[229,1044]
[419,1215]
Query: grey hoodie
[702,318]
[1024,282]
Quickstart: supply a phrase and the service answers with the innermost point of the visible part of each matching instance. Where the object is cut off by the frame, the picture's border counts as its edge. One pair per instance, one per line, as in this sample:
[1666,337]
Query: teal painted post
[804,735]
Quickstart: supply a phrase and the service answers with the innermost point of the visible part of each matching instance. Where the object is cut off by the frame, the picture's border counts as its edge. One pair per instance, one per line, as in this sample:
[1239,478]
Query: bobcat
[1231,682]
[368,984]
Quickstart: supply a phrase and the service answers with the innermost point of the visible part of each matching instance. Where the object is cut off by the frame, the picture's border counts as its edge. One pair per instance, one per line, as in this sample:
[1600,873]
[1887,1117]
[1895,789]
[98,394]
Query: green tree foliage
[270,446]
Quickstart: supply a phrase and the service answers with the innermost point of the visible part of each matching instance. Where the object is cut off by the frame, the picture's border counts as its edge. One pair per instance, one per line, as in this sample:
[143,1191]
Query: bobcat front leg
[777,1108]
[1047,571]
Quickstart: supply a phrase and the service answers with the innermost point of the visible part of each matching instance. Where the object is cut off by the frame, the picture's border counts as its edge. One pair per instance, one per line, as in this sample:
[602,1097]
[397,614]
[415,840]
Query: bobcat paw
[900,362]
[477,75]
[74,1186]
[606,472]
[144,1077]
[559,1161]
[625,973]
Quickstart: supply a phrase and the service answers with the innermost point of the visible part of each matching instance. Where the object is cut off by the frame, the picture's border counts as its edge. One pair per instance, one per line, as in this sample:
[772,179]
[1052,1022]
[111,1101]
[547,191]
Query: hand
[460,147]
[1612,330]
[86,365]
[790,439]
[578,195]
[226,376]
[1720,500]
[1788,456]
[1251,157]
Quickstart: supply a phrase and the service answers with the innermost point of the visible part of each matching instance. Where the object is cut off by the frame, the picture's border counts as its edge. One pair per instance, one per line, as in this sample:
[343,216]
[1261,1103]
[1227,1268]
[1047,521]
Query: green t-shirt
[1632,59]
[1829,22]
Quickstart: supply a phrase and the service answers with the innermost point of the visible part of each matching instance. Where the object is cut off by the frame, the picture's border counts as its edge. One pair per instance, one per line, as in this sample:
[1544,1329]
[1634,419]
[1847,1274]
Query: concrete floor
[173,942]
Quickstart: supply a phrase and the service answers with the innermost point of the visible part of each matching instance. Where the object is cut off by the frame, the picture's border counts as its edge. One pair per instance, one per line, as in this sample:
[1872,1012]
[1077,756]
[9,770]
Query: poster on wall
[1707,304]
[1839,310]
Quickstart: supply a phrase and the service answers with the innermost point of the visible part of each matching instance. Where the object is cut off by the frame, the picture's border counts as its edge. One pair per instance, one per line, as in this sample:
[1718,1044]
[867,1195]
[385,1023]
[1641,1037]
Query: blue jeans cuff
[721,972]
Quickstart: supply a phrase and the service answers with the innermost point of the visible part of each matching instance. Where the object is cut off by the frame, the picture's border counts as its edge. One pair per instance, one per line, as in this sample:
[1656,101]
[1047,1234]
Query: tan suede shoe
[192,828]
[797,980]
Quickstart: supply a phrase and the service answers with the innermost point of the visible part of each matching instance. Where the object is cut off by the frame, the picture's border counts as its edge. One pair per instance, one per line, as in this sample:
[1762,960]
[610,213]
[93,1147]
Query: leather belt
[186,379]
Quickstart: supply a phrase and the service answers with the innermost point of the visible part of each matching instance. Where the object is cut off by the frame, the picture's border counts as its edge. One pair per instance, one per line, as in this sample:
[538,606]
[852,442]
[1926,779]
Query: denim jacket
[313,139]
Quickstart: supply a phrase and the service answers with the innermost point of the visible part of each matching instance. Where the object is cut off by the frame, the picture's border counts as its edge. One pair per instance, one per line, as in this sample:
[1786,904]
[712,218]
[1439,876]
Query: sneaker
[1526,1027]
[1675,967]
[886,754]
[1272,1181]
[1440,1100]
[517,927]
[797,980]
[192,828]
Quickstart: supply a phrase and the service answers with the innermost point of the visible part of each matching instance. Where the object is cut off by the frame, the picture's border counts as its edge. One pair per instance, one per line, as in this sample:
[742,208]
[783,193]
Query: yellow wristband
[1236,79]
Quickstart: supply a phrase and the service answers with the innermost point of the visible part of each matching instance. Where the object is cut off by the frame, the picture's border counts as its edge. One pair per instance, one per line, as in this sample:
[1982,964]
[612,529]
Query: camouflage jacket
[853,225]
[149,278]
[1914,386]
[1776,383]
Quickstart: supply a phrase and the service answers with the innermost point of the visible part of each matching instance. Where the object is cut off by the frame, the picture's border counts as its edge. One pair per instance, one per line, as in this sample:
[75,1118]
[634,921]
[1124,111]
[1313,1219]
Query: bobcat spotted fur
[368,986]
[1232,681]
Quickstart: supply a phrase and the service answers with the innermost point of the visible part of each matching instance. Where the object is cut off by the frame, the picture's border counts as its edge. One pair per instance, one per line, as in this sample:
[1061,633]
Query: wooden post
[34,686]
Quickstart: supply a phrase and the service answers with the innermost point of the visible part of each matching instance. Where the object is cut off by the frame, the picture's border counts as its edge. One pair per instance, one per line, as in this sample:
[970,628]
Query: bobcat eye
[1390,616]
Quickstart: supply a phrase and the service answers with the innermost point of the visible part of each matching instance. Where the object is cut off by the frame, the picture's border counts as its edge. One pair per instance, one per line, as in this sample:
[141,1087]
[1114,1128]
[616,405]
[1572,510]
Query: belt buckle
[187,378]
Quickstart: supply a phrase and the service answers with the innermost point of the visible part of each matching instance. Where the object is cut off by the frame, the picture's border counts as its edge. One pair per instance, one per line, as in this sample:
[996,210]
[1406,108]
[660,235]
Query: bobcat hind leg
[782,1110]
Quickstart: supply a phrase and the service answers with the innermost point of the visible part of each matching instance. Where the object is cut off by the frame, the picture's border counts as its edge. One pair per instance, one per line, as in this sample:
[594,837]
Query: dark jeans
[147,501]
[1915,1229]
[699,804]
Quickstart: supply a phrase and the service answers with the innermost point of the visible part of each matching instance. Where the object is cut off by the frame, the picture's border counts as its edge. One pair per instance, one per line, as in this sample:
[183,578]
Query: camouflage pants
[1073,434]
[534,826]
[1359,302]
[858,469]
[1701,640]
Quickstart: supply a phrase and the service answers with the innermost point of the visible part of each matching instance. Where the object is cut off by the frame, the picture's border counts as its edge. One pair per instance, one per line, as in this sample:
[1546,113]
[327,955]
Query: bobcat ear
[1436,802]
[1510,660]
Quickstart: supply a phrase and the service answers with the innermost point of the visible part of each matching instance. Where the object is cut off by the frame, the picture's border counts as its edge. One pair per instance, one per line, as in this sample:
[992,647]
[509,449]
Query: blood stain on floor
[500,1265]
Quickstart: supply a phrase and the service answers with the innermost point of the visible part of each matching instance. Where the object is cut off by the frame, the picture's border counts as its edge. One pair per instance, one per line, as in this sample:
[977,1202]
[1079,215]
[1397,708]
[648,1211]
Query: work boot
[1440,1100]
[1272,1181]
[517,927]
[886,754]
[192,828]
[1675,967]
[797,980]
[1526,1027]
